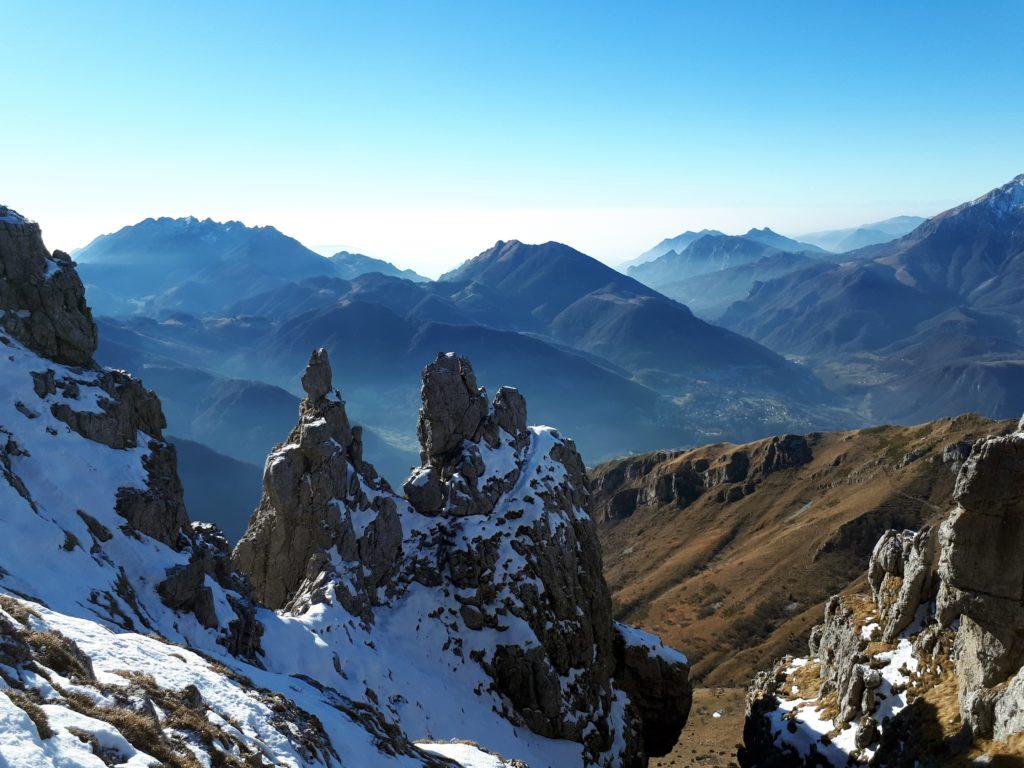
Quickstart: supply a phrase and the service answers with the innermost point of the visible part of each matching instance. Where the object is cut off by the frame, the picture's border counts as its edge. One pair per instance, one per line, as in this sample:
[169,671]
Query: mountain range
[677,243]
[917,324]
[844,240]
[626,368]
[202,266]
[463,621]
[917,328]
[740,260]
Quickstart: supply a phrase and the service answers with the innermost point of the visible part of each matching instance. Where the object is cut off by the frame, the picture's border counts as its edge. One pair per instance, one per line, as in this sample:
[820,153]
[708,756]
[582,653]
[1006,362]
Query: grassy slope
[738,584]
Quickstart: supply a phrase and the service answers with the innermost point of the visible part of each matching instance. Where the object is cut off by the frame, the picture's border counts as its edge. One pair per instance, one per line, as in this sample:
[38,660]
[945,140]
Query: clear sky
[422,132]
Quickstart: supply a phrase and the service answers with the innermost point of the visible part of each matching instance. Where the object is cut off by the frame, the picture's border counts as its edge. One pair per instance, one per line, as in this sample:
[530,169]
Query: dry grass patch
[28,701]
[17,609]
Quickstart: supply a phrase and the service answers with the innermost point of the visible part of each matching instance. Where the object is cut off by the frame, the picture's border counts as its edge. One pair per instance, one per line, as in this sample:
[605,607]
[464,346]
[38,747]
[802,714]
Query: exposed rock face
[658,686]
[963,584]
[453,407]
[42,305]
[313,483]
[664,477]
[982,575]
[41,296]
[496,521]
[127,409]
[158,510]
[901,577]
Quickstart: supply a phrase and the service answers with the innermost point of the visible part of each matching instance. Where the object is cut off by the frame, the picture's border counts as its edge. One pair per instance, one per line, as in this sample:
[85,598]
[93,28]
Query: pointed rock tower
[319,497]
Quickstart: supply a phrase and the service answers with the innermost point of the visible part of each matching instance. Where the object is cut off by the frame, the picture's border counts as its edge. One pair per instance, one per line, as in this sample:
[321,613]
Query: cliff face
[928,669]
[491,562]
[349,620]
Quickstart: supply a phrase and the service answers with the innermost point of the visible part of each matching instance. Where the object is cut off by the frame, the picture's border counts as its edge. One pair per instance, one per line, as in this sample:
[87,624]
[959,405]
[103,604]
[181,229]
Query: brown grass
[181,717]
[29,703]
[770,559]
[59,653]
[17,609]
[142,732]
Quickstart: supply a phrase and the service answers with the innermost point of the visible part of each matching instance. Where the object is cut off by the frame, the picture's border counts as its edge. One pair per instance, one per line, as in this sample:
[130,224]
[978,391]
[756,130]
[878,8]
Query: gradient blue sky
[424,131]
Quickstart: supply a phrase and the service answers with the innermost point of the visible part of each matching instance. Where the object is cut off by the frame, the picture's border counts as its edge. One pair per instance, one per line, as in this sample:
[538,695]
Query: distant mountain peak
[1006,198]
[350,265]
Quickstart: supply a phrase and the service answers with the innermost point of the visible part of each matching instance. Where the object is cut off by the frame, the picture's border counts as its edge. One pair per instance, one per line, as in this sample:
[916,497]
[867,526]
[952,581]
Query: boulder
[316,379]
[658,684]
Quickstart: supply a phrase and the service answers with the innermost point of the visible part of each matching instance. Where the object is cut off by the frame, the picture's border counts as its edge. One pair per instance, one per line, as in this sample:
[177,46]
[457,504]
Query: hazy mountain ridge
[593,348]
[873,312]
[349,265]
[852,238]
[203,266]
[677,243]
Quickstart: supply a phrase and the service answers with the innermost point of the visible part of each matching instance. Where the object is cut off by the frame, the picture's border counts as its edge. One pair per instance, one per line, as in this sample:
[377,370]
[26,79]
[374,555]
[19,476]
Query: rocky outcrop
[901,577]
[495,525]
[657,681]
[42,300]
[981,572]
[314,484]
[943,630]
[125,409]
[728,474]
[453,408]
[42,305]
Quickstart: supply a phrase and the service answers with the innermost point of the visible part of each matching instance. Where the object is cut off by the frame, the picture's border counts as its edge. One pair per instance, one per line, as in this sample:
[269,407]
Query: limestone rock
[158,510]
[976,629]
[311,483]
[128,409]
[453,407]
[185,589]
[658,686]
[316,380]
[41,296]
[900,574]
[503,539]
[425,490]
[785,452]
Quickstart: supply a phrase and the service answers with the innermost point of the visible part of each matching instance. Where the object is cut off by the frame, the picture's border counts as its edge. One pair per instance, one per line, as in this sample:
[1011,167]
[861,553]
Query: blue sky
[422,132]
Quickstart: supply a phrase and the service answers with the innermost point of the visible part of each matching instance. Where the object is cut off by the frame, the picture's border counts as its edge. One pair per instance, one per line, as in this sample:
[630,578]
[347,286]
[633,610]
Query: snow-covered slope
[127,637]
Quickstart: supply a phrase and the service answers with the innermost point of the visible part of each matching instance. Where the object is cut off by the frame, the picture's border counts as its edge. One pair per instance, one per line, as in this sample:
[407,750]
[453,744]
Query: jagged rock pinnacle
[316,379]
[454,407]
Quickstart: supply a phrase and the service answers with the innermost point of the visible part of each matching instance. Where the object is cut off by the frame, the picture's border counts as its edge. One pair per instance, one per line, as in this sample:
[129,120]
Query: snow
[637,637]
[466,755]
[10,216]
[1006,198]
[811,727]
